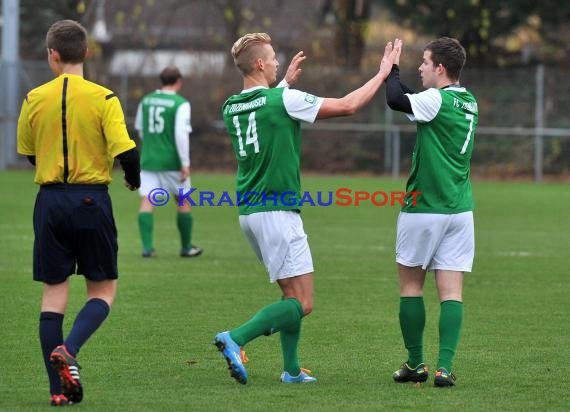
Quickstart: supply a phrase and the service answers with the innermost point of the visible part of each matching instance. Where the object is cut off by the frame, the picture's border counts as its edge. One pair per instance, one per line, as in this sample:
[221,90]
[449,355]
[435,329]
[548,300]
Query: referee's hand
[130,187]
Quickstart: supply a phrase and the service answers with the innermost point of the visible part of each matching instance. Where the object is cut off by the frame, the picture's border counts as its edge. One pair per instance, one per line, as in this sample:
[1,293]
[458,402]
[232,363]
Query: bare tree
[351,21]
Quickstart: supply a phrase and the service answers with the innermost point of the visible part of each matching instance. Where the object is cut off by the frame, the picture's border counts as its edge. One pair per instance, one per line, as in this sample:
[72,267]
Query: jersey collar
[454,87]
[253,88]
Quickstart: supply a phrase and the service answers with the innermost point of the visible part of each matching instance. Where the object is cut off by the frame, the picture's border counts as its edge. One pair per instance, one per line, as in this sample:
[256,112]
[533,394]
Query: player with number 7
[436,233]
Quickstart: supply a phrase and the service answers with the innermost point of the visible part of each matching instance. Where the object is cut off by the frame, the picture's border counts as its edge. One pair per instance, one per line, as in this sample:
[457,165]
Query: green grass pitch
[155,353]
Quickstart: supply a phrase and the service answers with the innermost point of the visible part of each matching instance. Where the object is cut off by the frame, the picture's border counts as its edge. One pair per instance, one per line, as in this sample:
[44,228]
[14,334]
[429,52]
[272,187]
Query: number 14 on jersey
[250,134]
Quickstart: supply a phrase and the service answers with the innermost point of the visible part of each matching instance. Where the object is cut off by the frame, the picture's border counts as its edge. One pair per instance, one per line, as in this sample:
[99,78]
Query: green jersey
[446,122]
[267,142]
[163,121]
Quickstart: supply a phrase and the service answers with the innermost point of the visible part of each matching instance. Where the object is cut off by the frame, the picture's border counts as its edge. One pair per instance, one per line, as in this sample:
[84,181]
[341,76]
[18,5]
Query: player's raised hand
[391,53]
[387,59]
[398,47]
[294,70]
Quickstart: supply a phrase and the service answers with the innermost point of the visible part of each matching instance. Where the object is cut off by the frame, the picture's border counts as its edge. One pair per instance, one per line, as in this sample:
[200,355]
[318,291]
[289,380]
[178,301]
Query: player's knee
[450,296]
[105,291]
[411,290]
[109,299]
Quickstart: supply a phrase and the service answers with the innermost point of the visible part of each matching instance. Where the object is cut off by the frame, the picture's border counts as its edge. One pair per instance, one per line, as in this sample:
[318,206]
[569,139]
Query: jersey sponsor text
[241,107]
[157,101]
[469,106]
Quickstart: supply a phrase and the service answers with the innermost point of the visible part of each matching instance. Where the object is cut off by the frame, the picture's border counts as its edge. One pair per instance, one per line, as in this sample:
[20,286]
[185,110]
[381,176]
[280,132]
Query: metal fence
[523,128]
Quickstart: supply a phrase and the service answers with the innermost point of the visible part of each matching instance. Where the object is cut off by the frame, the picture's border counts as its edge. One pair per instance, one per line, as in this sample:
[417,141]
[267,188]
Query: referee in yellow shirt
[72,130]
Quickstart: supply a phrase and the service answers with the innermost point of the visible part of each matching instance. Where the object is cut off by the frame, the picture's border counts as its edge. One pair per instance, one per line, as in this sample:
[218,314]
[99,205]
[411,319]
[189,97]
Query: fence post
[9,81]
[388,139]
[124,92]
[396,154]
[539,125]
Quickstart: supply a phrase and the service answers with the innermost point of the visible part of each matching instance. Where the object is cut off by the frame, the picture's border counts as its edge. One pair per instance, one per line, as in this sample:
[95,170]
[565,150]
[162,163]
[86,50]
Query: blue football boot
[231,352]
[302,377]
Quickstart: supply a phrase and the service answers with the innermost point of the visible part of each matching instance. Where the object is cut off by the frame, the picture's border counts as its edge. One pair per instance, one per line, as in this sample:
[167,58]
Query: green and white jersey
[264,126]
[163,123]
[446,122]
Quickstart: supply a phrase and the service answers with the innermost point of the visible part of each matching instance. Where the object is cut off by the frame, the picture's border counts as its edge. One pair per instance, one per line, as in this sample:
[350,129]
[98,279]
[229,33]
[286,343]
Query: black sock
[51,336]
[86,323]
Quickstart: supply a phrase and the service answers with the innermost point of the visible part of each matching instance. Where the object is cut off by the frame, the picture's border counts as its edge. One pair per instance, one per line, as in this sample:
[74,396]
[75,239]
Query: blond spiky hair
[245,50]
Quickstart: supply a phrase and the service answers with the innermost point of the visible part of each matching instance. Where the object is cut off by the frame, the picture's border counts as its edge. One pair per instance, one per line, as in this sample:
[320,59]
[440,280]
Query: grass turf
[155,352]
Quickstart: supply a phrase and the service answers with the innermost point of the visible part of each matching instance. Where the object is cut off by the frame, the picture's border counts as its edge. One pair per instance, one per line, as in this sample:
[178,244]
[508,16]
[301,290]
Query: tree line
[494,32]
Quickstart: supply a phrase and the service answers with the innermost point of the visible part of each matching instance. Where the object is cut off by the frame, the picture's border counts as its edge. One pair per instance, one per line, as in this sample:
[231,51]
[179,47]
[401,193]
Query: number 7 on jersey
[471,118]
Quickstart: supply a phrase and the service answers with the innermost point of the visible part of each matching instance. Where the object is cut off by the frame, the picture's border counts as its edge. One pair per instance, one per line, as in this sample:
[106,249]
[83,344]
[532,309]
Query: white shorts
[280,243]
[436,241]
[169,181]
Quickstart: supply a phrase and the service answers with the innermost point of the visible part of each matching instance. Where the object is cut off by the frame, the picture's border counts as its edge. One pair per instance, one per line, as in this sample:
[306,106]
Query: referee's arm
[130,163]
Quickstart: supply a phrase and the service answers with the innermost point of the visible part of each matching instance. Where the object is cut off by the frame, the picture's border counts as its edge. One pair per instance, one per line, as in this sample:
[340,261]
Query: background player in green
[163,123]
[437,233]
[264,126]
[72,129]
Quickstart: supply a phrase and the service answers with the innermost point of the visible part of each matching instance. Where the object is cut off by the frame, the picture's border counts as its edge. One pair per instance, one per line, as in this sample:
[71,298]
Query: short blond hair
[245,50]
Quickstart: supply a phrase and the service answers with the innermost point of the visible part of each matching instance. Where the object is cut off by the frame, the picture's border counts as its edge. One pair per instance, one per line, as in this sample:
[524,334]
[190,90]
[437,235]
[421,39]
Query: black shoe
[192,252]
[68,370]
[443,378]
[407,374]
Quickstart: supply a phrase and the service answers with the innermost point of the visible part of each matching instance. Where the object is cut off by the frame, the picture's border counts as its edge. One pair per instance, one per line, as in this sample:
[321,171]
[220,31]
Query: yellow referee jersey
[75,128]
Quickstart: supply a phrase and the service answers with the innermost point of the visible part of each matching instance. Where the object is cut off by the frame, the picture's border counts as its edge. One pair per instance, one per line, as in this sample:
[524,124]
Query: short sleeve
[139,120]
[425,105]
[183,124]
[300,105]
[114,127]
[26,144]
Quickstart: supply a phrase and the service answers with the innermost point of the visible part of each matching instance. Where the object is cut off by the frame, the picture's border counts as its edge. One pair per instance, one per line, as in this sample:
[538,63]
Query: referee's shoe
[68,371]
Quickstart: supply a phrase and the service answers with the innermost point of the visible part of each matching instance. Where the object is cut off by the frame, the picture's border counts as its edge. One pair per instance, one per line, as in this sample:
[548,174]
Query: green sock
[272,318]
[450,321]
[184,222]
[146,222]
[412,323]
[289,345]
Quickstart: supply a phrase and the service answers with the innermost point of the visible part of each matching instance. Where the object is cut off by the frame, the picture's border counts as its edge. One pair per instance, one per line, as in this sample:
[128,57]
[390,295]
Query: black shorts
[75,232]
